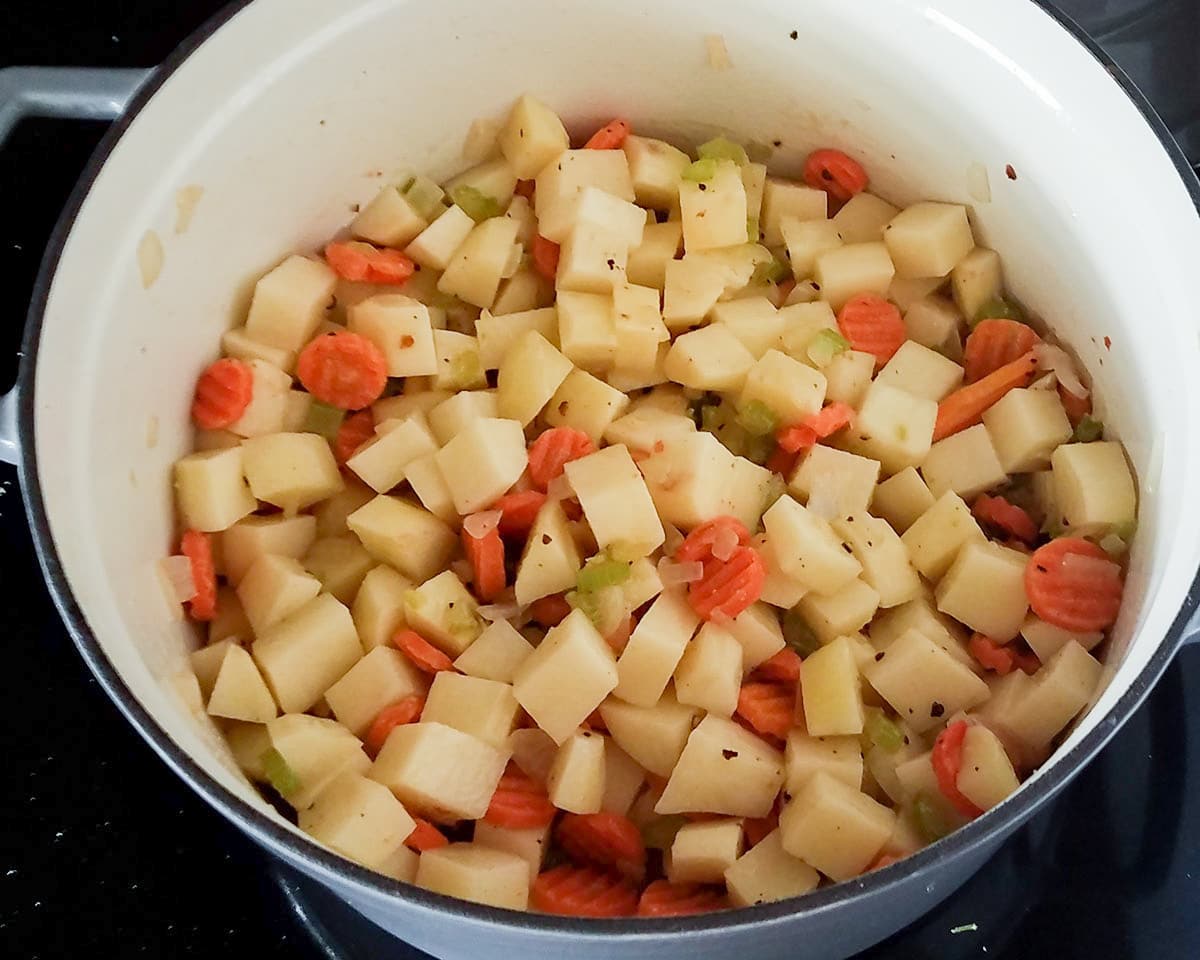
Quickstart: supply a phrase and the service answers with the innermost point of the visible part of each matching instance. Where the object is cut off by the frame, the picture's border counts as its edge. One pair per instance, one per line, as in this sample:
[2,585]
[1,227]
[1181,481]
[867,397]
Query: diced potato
[754,179]
[592,260]
[986,776]
[691,289]
[270,392]
[654,167]
[496,653]
[206,663]
[779,590]
[459,367]
[634,379]
[702,852]
[531,137]
[934,322]
[341,564]
[248,742]
[655,648]
[575,782]
[529,844]
[856,268]
[207,440]
[273,588]
[439,772]
[524,290]
[1093,487]
[425,478]
[924,683]
[653,736]
[239,691]
[533,751]
[894,427]
[713,212]
[561,183]
[585,403]
[688,479]
[902,499]
[921,615]
[863,218]
[753,320]
[401,534]
[435,247]
[452,415]
[647,262]
[378,680]
[783,200]
[766,873]
[723,769]
[359,819]
[413,402]
[551,561]
[317,752]
[482,462]
[378,608]
[1042,708]
[382,461]
[830,691]
[586,329]
[838,614]
[494,178]
[747,491]
[710,358]
[483,708]
[807,547]
[289,303]
[401,865]
[1045,639]
[443,611]
[845,482]
[644,426]
[758,631]
[249,539]
[566,677]
[985,589]
[934,539]
[532,370]
[835,827]
[623,779]
[922,372]
[497,334]
[885,561]
[976,279]
[709,674]
[474,272]
[964,463]
[389,220]
[239,345]
[848,375]
[806,755]
[790,389]
[904,293]
[929,239]
[211,489]
[801,323]
[620,219]
[638,327]
[470,871]
[291,470]
[806,240]
[615,500]
[230,621]
[1025,427]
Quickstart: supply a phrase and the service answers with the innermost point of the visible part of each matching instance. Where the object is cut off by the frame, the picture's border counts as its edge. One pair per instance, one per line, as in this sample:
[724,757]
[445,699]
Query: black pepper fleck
[729,754]
[880,655]
[1010,172]
[777,143]
[612,264]
[547,539]
[702,186]
[795,35]
[936,709]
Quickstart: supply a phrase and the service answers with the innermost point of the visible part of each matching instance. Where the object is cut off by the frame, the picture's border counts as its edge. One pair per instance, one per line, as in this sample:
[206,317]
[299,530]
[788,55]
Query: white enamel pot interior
[286,112]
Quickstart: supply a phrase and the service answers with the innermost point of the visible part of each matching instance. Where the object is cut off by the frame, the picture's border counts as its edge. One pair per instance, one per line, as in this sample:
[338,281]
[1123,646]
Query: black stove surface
[104,853]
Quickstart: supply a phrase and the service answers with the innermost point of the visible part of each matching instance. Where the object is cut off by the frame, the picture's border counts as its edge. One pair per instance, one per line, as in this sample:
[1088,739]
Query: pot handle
[77,93]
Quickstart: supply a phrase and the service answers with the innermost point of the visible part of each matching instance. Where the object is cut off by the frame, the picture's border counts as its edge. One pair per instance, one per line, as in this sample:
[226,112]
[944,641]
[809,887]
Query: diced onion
[1058,361]
[718,53]
[672,573]
[177,578]
[499,611]
[1084,567]
[724,543]
[479,525]
[673,539]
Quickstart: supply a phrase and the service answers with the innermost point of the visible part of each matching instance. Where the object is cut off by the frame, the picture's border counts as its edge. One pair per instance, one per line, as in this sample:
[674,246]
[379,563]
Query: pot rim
[324,862]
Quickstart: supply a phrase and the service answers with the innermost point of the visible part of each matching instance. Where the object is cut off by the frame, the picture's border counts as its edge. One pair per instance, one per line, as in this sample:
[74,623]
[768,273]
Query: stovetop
[103,852]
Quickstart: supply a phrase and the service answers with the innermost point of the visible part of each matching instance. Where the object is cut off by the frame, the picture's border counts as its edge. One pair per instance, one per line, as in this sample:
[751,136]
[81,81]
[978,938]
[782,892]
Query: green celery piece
[826,345]
[882,731]
[601,572]
[323,419]
[998,308]
[929,819]
[466,371]
[772,271]
[1087,430]
[475,204]
[587,603]
[722,148]
[659,833]
[425,197]
[757,419]
[700,170]
[798,635]
[281,776]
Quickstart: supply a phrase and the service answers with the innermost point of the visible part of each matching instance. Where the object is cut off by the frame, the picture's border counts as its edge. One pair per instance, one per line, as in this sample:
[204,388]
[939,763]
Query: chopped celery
[659,833]
[700,170]
[282,777]
[759,152]
[758,449]
[475,204]
[798,635]
[929,819]
[600,572]
[998,308]
[882,731]
[1087,430]
[752,230]
[466,371]
[826,345]
[587,602]
[323,419]
[722,148]
[772,271]
[757,419]
[425,197]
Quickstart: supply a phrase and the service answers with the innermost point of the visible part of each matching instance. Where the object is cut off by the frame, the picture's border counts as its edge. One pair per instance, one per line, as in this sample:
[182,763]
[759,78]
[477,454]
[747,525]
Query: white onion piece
[498,611]
[1083,567]
[479,525]
[672,573]
[1057,361]
[673,539]
[177,579]
[724,543]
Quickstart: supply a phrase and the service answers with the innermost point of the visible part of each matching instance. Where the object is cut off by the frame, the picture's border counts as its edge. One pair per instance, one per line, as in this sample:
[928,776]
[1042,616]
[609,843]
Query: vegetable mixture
[612,532]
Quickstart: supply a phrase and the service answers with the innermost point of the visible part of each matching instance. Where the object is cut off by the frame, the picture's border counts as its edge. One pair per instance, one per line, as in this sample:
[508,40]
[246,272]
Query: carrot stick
[486,555]
[582,892]
[421,652]
[197,547]
[965,407]
[403,711]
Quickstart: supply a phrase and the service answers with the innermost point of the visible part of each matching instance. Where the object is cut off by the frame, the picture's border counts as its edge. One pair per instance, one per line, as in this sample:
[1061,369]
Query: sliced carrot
[698,545]
[728,586]
[352,434]
[1003,517]
[518,511]
[223,392]
[995,342]
[553,450]
[872,325]
[356,260]
[525,189]
[550,611]
[1072,584]
[520,802]
[965,406]
[991,655]
[609,137]
[606,840]
[665,899]
[1077,407]
[343,369]
[947,762]
[197,547]
[839,175]
[425,836]
[769,708]
[545,256]
[486,556]
[783,461]
[784,667]
[819,426]
[619,638]
[404,710]
[424,655]
[582,892]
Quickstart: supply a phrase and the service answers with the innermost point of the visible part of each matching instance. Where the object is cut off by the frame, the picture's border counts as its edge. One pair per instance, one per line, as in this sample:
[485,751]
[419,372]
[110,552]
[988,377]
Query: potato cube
[474,272]
[713,212]
[929,239]
[211,489]
[533,751]
[964,463]
[291,470]
[623,779]
[753,320]
[638,327]
[847,377]
[747,491]
[401,328]
[1042,708]
[922,372]
[561,183]
[551,561]
[1093,487]
[453,414]
[885,561]
[807,547]
[1045,639]
[531,137]
[381,462]
[935,538]
[986,776]
[621,220]
[843,483]
[709,674]
[838,614]
[494,178]
[378,680]
[443,611]
[378,608]
[497,334]
[418,399]
[901,499]
[894,427]
[921,615]
[401,534]
[435,247]
[289,303]
[425,478]
[566,677]
[359,819]
[485,709]
[644,426]
[401,865]
[710,358]
[835,827]
[529,844]
[976,279]
[273,588]
[587,330]
[985,589]
[856,268]
[654,167]
[316,751]
[532,371]
[801,323]
[935,322]
[691,288]
[808,239]
[304,655]
[653,736]
[239,691]
[655,648]
[766,873]
[783,200]
[1025,427]
[592,260]
[758,631]
[806,755]
[905,292]
[482,462]
[635,379]
[248,742]
[469,871]
[615,500]
[268,404]
[689,478]
[702,852]
[779,590]
[206,663]
[924,683]
[241,346]
[249,539]
[790,389]
[496,653]
[230,621]
[863,218]
[723,769]
[576,779]
[585,403]
[754,179]
[389,220]
[340,563]
[647,262]
[830,691]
